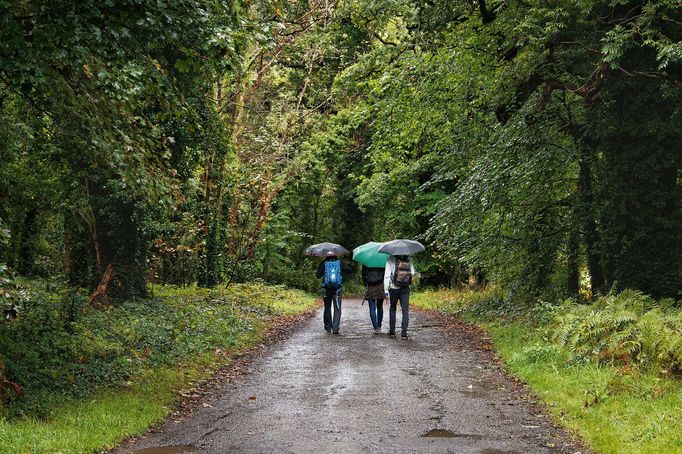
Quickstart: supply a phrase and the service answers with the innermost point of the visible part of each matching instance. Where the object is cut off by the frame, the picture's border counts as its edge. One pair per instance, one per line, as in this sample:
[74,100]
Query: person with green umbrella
[373,263]
[373,280]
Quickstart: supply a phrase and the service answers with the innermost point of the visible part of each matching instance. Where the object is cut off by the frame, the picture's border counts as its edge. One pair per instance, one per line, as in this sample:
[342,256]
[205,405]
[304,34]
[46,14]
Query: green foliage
[505,133]
[628,328]
[61,348]
[529,145]
[13,295]
[615,410]
[619,329]
[105,106]
[487,304]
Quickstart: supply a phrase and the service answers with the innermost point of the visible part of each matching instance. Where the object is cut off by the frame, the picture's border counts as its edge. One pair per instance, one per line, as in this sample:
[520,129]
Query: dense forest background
[534,145]
[164,164]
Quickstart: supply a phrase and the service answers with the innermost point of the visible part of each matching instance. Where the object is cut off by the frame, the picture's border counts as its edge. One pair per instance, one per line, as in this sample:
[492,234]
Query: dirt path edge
[475,337]
[280,328]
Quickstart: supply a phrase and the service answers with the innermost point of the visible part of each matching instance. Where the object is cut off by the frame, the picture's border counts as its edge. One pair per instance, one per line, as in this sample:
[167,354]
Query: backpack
[375,276]
[332,274]
[402,277]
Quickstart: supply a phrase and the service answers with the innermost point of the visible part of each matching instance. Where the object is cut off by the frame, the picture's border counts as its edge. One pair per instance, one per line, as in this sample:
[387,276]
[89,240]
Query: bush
[627,328]
[624,328]
[61,348]
[488,303]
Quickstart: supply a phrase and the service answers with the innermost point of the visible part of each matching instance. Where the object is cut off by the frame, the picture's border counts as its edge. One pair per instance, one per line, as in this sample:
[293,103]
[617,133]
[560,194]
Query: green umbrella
[369,255]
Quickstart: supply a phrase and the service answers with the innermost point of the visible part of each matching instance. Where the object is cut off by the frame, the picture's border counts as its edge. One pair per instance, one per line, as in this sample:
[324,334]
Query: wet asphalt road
[361,392]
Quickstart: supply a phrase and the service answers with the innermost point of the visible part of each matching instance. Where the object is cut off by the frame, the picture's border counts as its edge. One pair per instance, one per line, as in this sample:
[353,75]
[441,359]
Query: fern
[629,327]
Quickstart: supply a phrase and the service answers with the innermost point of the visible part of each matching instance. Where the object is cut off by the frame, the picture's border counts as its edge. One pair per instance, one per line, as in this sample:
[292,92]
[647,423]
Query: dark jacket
[367,270]
[374,291]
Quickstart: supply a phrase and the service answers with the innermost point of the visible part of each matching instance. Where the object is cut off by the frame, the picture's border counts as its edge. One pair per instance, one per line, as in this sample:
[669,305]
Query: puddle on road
[482,389]
[166,450]
[448,434]
[439,433]
[476,394]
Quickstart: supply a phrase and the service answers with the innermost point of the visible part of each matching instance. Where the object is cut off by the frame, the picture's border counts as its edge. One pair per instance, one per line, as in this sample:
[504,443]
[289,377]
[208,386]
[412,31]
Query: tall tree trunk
[78,253]
[121,241]
[265,198]
[639,194]
[232,220]
[572,264]
[587,215]
[214,187]
[25,262]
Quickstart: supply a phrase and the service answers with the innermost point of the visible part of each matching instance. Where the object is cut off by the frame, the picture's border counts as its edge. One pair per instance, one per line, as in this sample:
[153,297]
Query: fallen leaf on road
[253,397]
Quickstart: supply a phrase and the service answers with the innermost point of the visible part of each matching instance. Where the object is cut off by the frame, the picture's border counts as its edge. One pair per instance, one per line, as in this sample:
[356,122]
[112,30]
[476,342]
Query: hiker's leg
[327,315]
[372,303]
[337,314]
[394,294]
[380,311]
[405,306]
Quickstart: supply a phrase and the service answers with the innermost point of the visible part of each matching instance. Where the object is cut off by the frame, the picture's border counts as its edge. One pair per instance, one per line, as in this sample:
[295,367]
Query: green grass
[200,331]
[614,408]
[98,423]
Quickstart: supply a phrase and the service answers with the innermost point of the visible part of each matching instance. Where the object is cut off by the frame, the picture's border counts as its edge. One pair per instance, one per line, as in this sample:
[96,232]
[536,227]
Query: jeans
[332,323]
[402,294]
[376,312]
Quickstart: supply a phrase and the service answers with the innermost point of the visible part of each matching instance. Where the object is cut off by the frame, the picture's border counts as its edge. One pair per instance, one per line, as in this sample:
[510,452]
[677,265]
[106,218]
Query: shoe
[328,331]
[335,332]
[391,333]
[377,330]
[403,337]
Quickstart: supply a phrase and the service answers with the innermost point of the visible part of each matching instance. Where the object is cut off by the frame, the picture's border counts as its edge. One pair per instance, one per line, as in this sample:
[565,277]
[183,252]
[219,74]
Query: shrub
[61,348]
[624,328]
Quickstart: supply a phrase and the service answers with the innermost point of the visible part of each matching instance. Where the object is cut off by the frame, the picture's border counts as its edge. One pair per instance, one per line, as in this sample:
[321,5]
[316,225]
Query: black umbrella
[402,247]
[326,250]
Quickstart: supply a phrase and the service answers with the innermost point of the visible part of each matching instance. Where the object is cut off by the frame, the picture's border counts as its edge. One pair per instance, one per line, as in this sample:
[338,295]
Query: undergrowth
[77,364]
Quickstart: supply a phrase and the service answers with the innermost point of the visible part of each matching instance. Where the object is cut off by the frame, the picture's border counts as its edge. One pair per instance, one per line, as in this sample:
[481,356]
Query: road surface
[359,392]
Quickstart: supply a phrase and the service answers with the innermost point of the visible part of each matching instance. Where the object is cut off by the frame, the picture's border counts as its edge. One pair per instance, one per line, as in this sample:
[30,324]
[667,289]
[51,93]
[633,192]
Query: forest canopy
[535,145]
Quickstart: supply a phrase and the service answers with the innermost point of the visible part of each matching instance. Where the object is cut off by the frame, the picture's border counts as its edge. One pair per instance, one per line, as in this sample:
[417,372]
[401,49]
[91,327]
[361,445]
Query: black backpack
[402,277]
[375,276]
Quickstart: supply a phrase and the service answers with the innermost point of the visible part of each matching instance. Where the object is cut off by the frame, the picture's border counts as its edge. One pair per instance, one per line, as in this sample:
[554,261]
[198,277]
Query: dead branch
[10,386]
[100,293]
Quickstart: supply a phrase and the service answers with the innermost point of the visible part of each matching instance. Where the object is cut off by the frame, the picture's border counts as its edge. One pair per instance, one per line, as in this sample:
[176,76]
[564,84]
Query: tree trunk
[121,242]
[573,281]
[639,195]
[587,214]
[215,186]
[78,255]
[25,262]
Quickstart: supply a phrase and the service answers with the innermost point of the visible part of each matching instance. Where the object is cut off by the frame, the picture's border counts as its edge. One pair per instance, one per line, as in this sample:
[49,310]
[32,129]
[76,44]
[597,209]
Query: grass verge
[616,403]
[149,350]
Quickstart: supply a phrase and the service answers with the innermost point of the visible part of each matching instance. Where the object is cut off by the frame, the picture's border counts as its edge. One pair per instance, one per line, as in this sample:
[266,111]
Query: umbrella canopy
[368,254]
[326,250]
[402,247]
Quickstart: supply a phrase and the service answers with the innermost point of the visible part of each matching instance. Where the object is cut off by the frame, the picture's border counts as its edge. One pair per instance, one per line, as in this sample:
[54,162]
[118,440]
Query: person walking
[373,279]
[397,280]
[331,271]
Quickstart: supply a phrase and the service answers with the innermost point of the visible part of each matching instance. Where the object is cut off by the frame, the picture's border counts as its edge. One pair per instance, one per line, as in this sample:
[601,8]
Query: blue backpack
[332,274]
